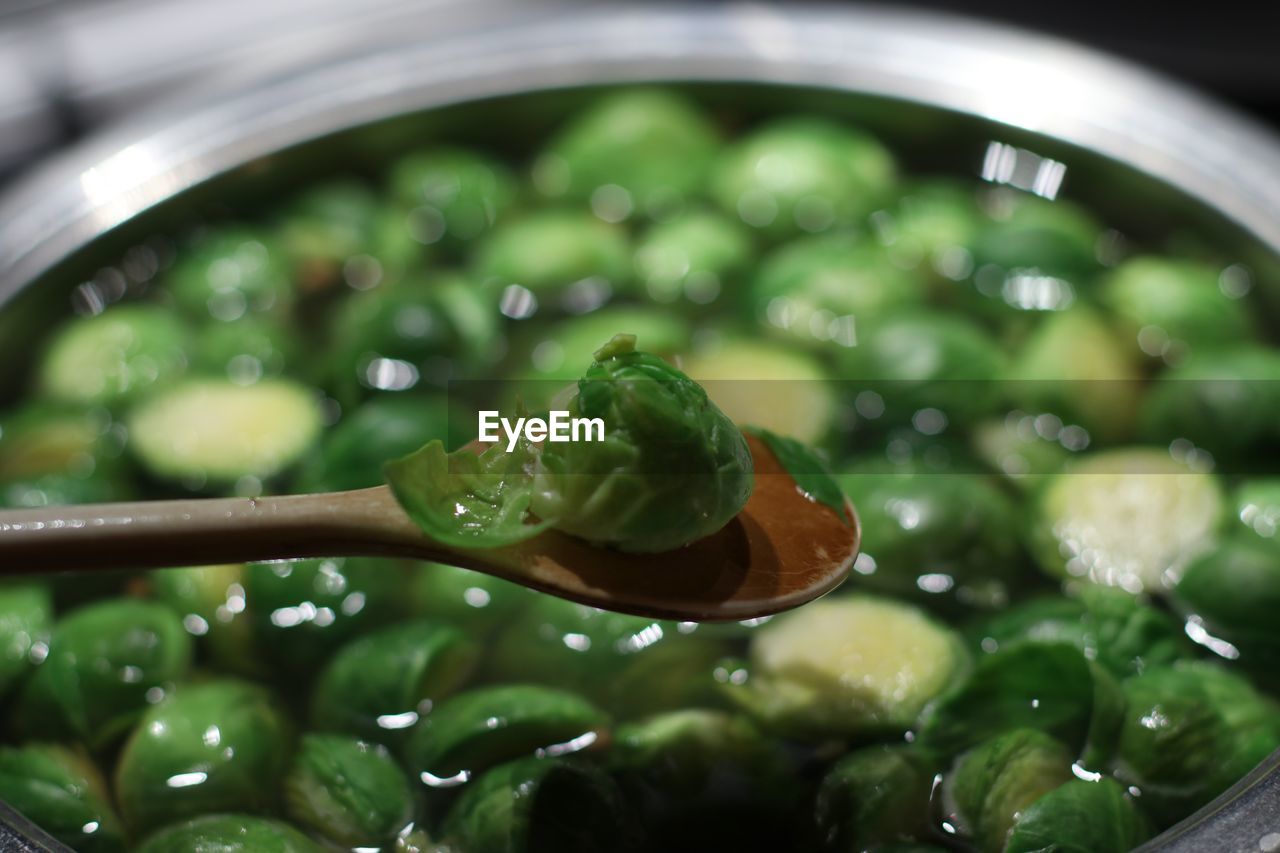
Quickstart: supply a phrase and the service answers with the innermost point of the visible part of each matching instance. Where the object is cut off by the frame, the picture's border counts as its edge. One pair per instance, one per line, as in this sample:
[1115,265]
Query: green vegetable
[641,150]
[931,225]
[26,615]
[106,662]
[475,602]
[829,290]
[230,833]
[538,804]
[1012,448]
[1257,505]
[220,745]
[806,467]
[1231,593]
[921,360]
[994,784]
[1127,517]
[61,792]
[377,686]
[802,174]
[211,601]
[695,258]
[672,467]
[848,666]
[209,430]
[768,386]
[1171,308]
[348,791]
[113,356]
[246,350]
[478,729]
[1081,817]
[1031,234]
[875,796]
[228,273]
[1189,732]
[555,255]
[453,195]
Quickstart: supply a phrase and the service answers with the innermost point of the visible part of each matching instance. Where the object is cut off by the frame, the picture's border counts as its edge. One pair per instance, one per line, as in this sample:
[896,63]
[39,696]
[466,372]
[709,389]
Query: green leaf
[466,499]
[805,467]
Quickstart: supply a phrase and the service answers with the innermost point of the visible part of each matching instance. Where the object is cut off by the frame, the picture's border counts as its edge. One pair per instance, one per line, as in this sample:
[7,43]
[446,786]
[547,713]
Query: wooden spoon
[782,550]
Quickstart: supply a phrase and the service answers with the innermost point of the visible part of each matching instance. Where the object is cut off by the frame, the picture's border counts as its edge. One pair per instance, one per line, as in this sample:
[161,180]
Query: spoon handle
[155,534]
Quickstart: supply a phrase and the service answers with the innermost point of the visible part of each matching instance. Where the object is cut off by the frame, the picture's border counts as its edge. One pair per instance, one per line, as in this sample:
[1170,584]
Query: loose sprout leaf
[466,499]
[805,467]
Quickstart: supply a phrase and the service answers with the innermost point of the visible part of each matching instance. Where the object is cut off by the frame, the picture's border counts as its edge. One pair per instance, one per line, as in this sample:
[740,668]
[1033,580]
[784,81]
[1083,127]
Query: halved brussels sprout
[829,290]
[847,667]
[803,174]
[1190,731]
[377,686]
[768,386]
[941,538]
[219,745]
[876,796]
[452,195]
[1257,506]
[212,603]
[541,804]
[672,468]
[695,258]
[26,615]
[1129,517]
[113,356]
[468,733]
[1231,594]
[54,454]
[642,150]
[474,602]
[349,791]
[246,350]
[1081,817]
[229,833]
[1012,448]
[230,272]
[106,662]
[993,784]
[61,792]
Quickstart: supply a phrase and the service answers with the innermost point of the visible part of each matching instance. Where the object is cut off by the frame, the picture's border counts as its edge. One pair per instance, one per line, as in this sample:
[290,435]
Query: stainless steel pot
[950,79]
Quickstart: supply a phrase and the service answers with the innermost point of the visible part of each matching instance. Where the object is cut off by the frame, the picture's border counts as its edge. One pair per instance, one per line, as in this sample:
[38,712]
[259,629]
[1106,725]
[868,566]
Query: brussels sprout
[848,666]
[348,791]
[376,686]
[829,290]
[1128,517]
[106,662]
[932,223]
[453,195]
[231,833]
[993,784]
[228,273]
[1231,594]
[541,804]
[802,174]
[645,150]
[353,452]
[672,467]
[61,792]
[563,255]
[303,610]
[630,665]
[211,601]
[705,780]
[478,729]
[1074,368]
[340,231]
[391,338]
[1226,401]
[767,386]
[1080,817]
[1257,505]
[1028,233]
[1045,619]
[474,602]
[220,745]
[1048,686]
[113,356]
[921,360]
[1014,449]
[246,350]
[877,795]
[58,455]
[209,430]
[26,614]
[693,258]
[1173,307]
[938,537]
[1190,731]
